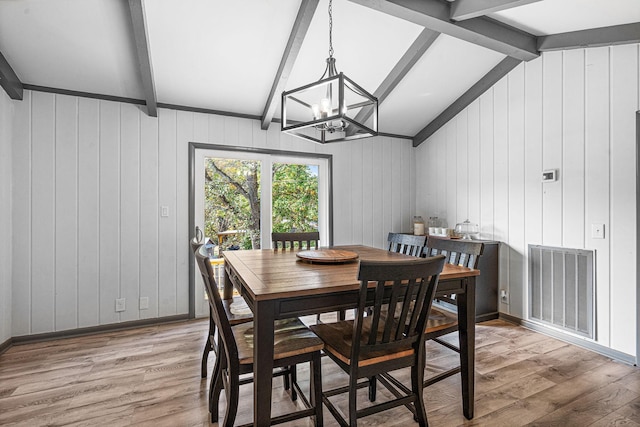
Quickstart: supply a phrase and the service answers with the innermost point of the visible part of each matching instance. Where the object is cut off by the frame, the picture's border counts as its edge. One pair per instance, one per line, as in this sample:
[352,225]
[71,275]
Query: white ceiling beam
[481,31]
[9,80]
[421,44]
[474,92]
[605,36]
[467,9]
[141,35]
[298,32]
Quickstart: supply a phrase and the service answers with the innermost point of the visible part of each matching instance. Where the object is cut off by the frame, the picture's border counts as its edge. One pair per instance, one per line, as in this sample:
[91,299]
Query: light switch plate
[144,303]
[597,231]
[164,211]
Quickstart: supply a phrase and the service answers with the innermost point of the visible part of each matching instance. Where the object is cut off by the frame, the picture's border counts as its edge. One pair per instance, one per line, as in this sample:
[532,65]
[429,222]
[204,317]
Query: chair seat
[440,321]
[237,310]
[338,336]
[291,338]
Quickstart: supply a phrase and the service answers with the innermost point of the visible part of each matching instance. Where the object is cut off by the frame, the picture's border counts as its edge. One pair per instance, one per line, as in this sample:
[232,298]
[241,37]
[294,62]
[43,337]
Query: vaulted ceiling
[424,59]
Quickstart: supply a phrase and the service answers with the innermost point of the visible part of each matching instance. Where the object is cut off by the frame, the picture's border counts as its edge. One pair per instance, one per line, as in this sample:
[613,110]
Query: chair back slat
[392,306]
[406,244]
[303,240]
[459,252]
[408,288]
[419,303]
[377,307]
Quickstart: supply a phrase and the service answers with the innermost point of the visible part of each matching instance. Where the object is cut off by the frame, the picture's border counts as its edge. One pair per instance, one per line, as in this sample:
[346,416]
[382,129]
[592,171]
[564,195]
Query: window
[238,204]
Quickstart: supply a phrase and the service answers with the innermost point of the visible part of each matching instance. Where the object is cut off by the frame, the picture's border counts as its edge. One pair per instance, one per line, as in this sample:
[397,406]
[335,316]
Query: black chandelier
[329,109]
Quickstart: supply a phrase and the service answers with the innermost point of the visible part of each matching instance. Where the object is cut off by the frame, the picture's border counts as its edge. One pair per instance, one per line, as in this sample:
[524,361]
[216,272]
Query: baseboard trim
[112,327]
[486,316]
[5,345]
[580,342]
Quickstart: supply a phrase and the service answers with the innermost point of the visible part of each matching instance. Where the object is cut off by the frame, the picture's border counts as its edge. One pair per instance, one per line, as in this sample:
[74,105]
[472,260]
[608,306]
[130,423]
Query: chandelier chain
[330,29]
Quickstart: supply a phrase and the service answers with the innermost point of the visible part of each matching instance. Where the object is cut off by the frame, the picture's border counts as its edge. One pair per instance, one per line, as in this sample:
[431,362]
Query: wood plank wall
[90,177]
[573,111]
[6,115]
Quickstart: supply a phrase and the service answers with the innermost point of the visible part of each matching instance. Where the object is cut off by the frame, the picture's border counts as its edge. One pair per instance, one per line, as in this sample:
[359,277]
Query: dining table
[277,284]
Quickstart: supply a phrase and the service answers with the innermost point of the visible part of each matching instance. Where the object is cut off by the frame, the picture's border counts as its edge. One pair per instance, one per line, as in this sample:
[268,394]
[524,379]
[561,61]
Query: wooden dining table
[276,284]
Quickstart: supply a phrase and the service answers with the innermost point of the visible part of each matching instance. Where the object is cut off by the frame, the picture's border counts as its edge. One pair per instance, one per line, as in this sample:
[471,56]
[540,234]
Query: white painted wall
[6,115]
[90,177]
[573,111]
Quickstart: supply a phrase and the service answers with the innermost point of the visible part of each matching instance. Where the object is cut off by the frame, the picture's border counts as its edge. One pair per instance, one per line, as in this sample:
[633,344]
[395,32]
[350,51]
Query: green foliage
[294,198]
[232,199]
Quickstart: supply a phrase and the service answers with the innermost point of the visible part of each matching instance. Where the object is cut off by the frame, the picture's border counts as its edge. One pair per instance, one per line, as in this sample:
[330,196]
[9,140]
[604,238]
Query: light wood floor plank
[150,376]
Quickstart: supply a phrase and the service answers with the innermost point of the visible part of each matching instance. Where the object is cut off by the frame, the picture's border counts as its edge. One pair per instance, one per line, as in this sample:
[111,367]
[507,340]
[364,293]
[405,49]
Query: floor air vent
[561,284]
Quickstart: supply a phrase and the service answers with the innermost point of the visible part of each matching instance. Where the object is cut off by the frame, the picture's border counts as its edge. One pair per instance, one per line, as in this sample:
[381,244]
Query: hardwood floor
[151,376]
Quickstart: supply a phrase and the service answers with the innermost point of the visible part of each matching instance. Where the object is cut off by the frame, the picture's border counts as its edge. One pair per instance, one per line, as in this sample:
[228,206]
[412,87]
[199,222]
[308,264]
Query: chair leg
[233,394]
[216,386]
[285,380]
[353,391]
[373,381]
[417,379]
[293,372]
[315,387]
[205,357]
[207,347]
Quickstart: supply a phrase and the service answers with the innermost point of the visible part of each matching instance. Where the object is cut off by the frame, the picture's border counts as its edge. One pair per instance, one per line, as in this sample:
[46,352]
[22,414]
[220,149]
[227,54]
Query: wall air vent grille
[561,288]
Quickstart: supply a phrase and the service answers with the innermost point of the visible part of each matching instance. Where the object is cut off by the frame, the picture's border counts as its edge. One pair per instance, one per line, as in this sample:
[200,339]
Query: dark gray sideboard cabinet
[487,282]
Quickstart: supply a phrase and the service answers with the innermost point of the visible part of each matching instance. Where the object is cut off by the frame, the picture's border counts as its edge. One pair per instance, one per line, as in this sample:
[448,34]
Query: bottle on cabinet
[418,226]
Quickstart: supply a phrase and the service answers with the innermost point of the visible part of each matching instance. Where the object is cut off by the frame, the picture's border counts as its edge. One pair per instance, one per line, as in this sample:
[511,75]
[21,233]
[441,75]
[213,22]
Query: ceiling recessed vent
[561,289]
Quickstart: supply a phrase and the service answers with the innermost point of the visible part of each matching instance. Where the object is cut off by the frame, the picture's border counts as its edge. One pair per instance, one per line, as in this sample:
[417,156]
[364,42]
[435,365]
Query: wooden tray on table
[327,256]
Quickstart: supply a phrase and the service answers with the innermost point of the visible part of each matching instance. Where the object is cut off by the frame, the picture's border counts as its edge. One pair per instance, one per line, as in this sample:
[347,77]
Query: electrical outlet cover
[504,296]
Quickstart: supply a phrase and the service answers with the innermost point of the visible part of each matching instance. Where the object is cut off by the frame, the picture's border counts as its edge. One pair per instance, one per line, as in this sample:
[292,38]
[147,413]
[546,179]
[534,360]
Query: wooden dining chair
[236,310]
[458,252]
[441,321]
[296,241]
[371,346]
[294,344]
[407,244]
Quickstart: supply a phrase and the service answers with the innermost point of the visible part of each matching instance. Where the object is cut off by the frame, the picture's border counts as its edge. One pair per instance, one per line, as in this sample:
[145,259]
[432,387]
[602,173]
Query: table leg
[263,331]
[467,334]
